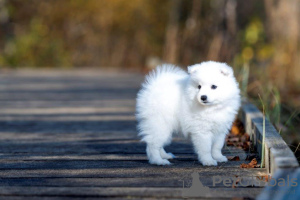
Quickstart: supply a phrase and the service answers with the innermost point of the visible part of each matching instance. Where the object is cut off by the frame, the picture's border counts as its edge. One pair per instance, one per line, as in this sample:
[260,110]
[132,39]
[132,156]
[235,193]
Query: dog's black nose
[203,97]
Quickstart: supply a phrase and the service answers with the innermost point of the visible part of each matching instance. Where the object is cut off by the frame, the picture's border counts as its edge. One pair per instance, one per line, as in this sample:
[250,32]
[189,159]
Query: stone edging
[278,155]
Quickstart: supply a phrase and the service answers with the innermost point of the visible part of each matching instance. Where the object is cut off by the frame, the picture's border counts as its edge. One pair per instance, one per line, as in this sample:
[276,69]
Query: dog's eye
[199,87]
[213,87]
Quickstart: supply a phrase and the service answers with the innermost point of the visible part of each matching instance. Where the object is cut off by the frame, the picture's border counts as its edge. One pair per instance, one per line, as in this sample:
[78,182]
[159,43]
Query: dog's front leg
[203,144]
[217,146]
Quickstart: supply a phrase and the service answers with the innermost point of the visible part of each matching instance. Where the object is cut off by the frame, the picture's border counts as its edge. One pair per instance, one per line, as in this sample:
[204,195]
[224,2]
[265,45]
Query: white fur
[170,101]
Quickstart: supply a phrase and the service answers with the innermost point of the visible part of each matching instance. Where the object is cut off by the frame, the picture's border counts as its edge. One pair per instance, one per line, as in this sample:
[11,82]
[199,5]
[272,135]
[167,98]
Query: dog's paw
[209,162]
[168,156]
[160,162]
[221,158]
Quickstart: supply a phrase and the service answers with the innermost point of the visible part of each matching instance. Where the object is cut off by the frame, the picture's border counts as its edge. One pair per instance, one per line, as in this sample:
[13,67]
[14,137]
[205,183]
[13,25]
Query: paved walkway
[72,134]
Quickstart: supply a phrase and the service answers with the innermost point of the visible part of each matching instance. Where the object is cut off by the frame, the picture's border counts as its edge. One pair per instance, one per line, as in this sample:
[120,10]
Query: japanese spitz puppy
[201,103]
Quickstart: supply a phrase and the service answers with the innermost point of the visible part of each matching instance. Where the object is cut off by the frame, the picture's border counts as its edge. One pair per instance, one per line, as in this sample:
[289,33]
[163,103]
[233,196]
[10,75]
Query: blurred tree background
[260,39]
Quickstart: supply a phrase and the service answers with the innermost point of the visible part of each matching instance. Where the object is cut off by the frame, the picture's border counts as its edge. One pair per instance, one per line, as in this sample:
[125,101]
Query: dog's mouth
[205,102]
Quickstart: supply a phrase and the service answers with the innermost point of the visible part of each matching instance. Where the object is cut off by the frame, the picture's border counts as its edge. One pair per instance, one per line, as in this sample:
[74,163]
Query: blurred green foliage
[81,33]
[35,48]
[254,45]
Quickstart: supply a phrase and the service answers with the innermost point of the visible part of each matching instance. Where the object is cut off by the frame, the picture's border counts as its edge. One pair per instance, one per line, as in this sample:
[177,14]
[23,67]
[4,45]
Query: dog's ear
[226,70]
[192,69]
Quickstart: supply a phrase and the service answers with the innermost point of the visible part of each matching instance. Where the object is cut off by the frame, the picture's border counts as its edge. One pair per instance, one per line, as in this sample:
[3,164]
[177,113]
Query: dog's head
[212,83]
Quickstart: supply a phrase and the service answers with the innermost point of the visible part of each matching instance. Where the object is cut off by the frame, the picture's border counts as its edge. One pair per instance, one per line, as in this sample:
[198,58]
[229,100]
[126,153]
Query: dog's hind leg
[166,155]
[156,133]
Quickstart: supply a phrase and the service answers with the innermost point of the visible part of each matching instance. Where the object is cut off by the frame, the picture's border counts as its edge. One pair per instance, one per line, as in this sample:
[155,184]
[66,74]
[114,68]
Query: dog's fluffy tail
[159,85]
[163,70]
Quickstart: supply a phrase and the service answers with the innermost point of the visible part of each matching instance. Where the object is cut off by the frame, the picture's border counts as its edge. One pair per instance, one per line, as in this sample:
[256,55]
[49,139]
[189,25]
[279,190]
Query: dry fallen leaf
[234,183]
[237,137]
[252,164]
[235,130]
[264,178]
[251,156]
[233,158]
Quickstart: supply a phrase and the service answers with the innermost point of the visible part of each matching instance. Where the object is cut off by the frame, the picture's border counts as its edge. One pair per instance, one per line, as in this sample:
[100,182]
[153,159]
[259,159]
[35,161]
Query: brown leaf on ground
[235,130]
[230,144]
[237,136]
[251,157]
[246,146]
[233,158]
[252,164]
[234,183]
[245,137]
[237,127]
[236,141]
[264,178]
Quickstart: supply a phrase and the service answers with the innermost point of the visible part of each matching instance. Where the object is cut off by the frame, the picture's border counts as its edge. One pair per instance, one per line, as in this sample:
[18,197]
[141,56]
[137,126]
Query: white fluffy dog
[201,103]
